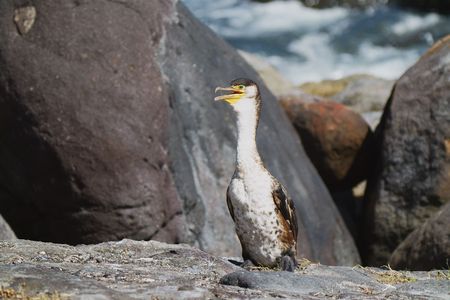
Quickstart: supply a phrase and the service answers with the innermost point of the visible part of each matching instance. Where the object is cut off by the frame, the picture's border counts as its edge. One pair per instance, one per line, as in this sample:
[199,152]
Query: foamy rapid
[309,45]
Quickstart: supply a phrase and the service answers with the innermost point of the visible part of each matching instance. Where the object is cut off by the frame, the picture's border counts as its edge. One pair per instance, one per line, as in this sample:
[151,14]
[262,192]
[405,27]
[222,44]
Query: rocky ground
[153,270]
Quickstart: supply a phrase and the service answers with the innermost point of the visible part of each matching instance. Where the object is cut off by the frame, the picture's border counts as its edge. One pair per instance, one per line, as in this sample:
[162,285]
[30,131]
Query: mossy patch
[394,277]
[303,264]
[441,275]
[389,276]
[10,293]
[328,88]
[325,88]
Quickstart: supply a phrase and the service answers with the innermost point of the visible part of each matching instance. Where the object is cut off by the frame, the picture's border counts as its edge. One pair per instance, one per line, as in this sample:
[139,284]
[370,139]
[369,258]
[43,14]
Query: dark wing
[286,208]
[229,204]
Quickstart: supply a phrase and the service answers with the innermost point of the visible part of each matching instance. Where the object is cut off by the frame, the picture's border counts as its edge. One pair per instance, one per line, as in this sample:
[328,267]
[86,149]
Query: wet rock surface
[336,139]
[142,270]
[412,181]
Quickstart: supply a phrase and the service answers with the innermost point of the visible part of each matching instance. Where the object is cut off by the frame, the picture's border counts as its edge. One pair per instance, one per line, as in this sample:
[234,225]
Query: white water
[308,45]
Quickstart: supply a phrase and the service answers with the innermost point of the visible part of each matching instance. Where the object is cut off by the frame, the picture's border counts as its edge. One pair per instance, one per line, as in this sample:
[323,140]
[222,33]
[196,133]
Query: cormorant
[259,205]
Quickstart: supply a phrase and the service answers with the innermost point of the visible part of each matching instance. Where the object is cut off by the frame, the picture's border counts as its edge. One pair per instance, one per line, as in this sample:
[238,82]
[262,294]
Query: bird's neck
[247,156]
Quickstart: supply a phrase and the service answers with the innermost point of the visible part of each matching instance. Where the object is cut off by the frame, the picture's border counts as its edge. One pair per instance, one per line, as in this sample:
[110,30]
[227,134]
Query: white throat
[247,120]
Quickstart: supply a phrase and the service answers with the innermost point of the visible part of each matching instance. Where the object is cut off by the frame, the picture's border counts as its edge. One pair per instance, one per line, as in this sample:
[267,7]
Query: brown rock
[427,247]
[335,138]
[412,180]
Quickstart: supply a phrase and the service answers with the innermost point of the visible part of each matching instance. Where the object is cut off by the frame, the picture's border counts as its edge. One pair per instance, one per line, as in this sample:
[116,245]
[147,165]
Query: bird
[263,213]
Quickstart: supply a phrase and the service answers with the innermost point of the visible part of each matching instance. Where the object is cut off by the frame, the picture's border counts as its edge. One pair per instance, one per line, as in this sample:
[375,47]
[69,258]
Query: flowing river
[307,44]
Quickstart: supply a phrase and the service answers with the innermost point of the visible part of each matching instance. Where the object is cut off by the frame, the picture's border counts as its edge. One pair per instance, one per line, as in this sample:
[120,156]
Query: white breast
[254,211]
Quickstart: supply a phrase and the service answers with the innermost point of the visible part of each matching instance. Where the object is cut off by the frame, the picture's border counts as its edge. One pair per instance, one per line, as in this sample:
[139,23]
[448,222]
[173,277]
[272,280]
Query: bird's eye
[241,87]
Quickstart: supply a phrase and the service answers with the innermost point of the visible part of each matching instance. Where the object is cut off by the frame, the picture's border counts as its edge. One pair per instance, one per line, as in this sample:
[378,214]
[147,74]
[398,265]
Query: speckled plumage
[264,216]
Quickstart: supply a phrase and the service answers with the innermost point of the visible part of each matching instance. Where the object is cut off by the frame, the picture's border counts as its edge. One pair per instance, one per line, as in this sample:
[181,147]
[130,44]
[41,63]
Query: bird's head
[241,91]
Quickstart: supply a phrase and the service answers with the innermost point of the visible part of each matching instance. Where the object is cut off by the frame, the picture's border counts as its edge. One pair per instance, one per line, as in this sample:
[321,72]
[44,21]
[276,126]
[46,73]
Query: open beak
[234,96]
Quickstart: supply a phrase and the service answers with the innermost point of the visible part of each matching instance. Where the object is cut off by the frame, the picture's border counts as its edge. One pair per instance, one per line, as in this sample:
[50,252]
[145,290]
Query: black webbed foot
[288,263]
[247,264]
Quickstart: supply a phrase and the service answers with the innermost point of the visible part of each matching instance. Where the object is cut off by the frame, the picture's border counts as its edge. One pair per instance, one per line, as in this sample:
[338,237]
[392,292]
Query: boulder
[336,139]
[412,180]
[83,122]
[6,232]
[427,247]
[115,270]
[109,130]
[153,270]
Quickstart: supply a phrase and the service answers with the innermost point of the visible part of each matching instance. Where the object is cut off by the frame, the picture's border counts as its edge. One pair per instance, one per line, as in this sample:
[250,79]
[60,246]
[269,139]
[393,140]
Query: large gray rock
[322,282]
[427,247]
[115,270]
[109,130]
[6,232]
[83,122]
[153,270]
[413,180]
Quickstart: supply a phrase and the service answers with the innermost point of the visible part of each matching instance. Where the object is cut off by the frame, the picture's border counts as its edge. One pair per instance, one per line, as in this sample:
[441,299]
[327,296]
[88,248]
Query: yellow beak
[232,98]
